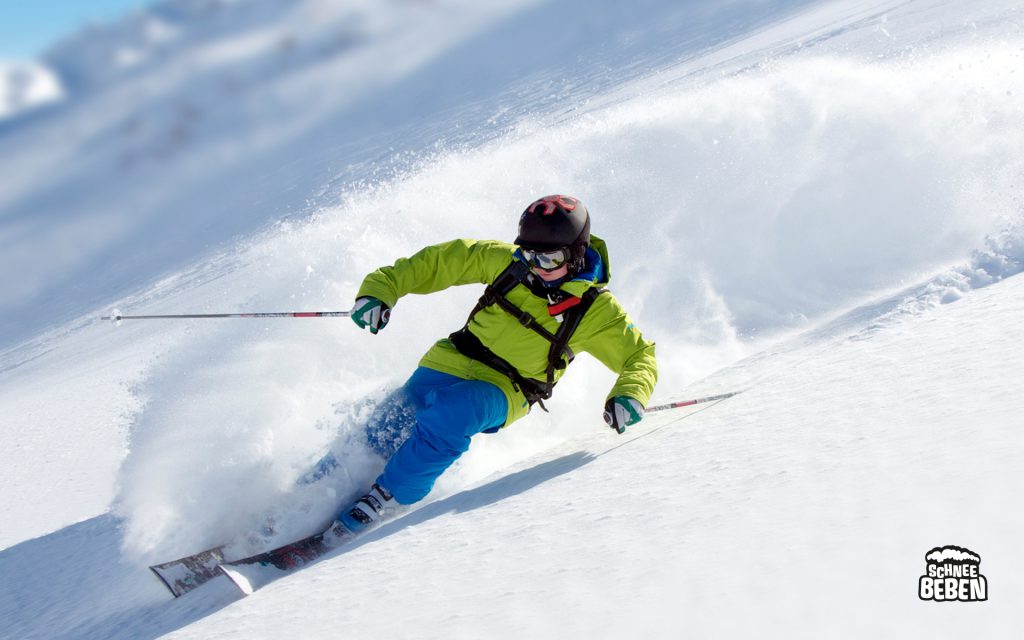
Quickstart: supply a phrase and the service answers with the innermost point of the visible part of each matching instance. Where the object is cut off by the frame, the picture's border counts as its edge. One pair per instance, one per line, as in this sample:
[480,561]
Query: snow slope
[801,507]
[818,203]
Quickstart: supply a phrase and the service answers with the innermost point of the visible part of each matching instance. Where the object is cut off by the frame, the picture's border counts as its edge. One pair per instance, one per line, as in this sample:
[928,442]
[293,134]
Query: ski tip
[236,576]
[176,590]
[185,574]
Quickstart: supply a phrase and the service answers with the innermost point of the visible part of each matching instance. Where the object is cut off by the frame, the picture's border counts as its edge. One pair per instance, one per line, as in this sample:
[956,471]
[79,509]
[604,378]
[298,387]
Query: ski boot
[371,509]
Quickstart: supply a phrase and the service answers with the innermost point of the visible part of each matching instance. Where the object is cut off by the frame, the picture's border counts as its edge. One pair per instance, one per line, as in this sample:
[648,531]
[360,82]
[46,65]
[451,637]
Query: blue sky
[28,27]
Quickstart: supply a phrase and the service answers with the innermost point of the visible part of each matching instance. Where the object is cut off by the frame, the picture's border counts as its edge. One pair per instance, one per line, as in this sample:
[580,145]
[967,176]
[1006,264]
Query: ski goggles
[546,260]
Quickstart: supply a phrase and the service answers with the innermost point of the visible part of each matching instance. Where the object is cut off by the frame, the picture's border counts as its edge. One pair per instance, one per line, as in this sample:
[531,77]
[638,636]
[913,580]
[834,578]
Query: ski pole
[687,403]
[286,314]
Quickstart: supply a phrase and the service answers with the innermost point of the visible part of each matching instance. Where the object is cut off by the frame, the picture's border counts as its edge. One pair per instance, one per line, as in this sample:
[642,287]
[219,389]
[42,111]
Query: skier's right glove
[371,313]
[622,411]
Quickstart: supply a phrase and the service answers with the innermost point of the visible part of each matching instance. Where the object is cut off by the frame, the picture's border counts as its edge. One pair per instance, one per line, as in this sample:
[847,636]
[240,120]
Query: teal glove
[371,313]
[622,411]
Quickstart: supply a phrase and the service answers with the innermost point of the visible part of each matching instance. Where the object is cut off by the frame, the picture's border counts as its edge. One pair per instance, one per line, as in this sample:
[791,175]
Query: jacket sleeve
[436,268]
[609,335]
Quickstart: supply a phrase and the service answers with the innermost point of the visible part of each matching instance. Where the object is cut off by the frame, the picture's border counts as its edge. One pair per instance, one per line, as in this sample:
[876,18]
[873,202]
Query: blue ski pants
[449,411]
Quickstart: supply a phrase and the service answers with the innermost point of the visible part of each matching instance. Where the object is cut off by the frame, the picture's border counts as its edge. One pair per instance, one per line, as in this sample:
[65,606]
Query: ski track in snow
[824,212]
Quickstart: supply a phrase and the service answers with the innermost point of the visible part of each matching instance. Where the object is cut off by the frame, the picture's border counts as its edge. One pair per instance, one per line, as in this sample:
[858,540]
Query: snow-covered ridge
[25,86]
[102,53]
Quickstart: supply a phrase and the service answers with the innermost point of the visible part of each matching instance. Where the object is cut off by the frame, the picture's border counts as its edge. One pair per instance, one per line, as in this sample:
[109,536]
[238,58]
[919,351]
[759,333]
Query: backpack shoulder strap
[571,319]
[571,310]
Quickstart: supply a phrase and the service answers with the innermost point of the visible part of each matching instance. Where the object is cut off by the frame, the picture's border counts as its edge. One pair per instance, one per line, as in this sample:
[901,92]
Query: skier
[544,302]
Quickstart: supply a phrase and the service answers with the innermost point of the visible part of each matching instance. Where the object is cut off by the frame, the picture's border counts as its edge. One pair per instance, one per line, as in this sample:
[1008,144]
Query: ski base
[185,574]
[249,574]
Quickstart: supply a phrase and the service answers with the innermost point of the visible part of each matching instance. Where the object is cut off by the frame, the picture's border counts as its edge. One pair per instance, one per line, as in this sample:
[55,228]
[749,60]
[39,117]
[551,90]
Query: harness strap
[560,355]
[469,345]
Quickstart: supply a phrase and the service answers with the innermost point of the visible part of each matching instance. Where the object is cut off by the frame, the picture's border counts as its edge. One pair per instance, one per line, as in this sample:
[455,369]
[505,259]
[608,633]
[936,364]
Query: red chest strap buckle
[561,307]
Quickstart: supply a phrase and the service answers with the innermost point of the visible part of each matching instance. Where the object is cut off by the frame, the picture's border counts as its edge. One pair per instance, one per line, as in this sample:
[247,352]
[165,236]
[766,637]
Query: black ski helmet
[554,222]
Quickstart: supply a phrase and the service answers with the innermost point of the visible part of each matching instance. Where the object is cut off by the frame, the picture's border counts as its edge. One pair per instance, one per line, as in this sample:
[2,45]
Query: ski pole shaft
[687,403]
[285,314]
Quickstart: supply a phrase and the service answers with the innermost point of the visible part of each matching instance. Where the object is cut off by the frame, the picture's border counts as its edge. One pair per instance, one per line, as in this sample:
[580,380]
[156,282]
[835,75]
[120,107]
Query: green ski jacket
[606,331]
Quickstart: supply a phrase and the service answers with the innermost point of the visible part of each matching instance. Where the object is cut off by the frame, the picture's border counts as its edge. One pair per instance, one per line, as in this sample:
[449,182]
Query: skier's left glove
[371,313]
[622,411]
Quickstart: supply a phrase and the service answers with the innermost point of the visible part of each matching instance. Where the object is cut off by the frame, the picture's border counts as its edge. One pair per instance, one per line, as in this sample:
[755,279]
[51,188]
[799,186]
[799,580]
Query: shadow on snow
[74,583]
